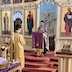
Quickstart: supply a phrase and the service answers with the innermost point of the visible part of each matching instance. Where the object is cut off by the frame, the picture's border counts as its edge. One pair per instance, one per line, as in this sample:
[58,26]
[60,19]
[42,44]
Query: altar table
[11,67]
[64,61]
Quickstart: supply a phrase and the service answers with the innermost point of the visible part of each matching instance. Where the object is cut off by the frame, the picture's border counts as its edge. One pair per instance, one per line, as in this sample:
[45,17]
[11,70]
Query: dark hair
[29,11]
[17,27]
[42,21]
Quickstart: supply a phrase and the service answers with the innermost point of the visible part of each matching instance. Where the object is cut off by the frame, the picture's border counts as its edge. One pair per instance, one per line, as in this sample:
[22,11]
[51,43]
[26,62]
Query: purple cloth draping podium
[37,40]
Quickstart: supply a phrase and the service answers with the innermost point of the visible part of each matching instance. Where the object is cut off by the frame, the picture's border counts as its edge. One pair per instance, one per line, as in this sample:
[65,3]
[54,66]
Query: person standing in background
[44,30]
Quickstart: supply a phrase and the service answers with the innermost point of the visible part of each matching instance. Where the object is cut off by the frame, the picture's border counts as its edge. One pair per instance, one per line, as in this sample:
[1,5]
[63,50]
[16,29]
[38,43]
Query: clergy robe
[19,42]
[68,23]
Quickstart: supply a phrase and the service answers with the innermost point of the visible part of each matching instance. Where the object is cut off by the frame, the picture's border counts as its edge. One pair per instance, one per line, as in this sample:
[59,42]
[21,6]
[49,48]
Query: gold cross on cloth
[37,44]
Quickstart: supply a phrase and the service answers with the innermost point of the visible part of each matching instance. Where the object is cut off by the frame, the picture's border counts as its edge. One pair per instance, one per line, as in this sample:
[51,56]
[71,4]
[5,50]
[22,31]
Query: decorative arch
[17,18]
[17,14]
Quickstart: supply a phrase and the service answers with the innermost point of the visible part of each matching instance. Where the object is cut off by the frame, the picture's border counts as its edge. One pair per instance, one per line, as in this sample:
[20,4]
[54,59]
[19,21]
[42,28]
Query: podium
[64,61]
[37,42]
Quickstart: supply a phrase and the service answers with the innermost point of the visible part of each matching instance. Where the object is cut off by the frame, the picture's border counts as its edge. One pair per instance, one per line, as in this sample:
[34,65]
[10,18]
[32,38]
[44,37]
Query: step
[29,54]
[33,52]
[36,58]
[54,57]
[54,67]
[41,59]
[50,62]
[34,64]
[45,63]
[54,60]
[38,61]
[34,71]
[29,51]
[39,69]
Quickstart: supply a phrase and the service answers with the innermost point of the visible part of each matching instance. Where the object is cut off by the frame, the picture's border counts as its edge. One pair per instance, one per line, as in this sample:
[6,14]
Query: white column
[12,22]
[38,16]
[23,20]
[5,54]
[0,21]
[58,21]
[57,42]
[70,65]
[60,64]
[65,68]
[11,1]
[23,1]
[12,32]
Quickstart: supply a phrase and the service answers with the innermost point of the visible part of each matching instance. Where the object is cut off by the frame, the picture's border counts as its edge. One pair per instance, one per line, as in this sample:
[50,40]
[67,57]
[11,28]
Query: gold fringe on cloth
[3,66]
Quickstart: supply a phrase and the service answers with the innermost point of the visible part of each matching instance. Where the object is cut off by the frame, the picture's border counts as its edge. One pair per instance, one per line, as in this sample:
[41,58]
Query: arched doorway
[17,18]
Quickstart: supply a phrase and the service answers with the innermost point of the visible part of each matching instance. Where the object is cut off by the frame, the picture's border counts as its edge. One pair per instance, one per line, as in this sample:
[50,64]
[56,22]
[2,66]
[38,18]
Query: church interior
[35,36]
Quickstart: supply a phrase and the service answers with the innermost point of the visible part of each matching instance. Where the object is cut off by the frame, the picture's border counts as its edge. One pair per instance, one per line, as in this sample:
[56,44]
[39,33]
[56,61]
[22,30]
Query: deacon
[19,42]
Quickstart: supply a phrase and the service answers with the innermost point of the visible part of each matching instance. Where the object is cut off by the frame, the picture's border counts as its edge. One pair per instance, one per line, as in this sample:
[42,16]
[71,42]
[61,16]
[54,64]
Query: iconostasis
[14,12]
[18,11]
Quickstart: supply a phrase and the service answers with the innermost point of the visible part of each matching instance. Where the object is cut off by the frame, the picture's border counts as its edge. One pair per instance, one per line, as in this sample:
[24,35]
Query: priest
[44,30]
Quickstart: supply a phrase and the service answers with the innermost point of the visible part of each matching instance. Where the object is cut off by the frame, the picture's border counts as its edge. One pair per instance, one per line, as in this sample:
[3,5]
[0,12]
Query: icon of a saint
[30,22]
[6,22]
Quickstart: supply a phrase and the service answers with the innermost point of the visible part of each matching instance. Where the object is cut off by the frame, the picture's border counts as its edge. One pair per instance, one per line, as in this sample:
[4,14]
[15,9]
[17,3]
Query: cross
[37,44]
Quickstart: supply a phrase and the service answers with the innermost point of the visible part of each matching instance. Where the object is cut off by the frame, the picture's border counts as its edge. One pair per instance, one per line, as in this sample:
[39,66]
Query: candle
[13,37]
[65,42]
[69,43]
[6,39]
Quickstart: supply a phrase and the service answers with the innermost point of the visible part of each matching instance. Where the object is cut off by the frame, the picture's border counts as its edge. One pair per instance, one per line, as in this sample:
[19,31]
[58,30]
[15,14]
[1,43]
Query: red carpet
[48,63]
